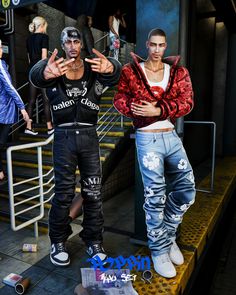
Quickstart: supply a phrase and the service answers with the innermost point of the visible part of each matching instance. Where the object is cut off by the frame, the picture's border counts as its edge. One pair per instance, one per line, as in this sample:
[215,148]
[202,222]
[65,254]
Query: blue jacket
[9,98]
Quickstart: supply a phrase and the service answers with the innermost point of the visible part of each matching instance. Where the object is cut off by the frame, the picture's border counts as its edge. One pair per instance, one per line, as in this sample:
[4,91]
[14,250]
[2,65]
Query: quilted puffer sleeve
[178,101]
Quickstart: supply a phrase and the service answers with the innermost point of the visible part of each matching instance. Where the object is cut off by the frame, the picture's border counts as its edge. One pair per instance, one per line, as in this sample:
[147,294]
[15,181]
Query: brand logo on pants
[92,180]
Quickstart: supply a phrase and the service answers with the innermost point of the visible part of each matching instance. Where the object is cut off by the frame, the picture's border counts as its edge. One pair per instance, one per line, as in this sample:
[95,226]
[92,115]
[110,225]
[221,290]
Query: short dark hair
[156,32]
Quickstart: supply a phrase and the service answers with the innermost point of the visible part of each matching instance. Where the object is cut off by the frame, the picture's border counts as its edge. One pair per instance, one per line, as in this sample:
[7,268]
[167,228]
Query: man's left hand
[100,64]
[147,109]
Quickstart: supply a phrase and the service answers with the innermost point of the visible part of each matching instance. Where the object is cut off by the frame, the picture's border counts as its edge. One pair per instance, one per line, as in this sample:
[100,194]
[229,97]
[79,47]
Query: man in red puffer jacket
[154,92]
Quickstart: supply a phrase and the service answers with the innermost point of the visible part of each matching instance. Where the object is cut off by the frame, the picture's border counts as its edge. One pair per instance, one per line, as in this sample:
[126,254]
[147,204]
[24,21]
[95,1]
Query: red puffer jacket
[133,86]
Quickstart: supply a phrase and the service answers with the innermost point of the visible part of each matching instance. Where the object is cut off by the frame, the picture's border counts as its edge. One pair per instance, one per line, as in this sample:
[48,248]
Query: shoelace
[175,246]
[165,259]
[61,247]
[97,248]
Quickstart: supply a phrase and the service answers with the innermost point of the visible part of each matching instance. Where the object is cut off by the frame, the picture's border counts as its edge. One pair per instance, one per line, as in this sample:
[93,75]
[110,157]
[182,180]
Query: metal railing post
[37,111]
[40,173]
[121,121]
[10,188]
[40,187]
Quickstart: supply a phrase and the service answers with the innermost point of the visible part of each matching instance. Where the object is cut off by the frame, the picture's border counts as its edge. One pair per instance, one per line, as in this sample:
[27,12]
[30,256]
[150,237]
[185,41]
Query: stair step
[28,194]
[108,93]
[33,151]
[100,114]
[27,173]
[114,132]
[105,105]
[47,150]
[5,212]
[30,158]
[22,159]
[125,123]
[25,161]
[28,165]
[107,98]
[33,138]
[106,116]
[5,195]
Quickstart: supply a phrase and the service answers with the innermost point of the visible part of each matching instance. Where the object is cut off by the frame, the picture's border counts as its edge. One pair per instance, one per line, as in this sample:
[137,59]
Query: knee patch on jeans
[91,188]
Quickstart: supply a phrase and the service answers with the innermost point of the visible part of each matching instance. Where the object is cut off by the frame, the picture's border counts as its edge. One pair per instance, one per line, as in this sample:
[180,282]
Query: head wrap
[70,33]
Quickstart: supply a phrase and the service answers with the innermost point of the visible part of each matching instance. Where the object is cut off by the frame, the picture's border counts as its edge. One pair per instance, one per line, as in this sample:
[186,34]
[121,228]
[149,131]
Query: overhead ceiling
[73,8]
[226,11]
[11,4]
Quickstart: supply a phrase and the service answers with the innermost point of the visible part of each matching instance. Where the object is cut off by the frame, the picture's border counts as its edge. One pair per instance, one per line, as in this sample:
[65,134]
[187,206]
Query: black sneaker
[96,250]
[59,255]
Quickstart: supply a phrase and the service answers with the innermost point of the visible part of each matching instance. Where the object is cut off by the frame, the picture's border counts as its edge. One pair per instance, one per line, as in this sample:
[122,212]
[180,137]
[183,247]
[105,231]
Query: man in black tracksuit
[74,87]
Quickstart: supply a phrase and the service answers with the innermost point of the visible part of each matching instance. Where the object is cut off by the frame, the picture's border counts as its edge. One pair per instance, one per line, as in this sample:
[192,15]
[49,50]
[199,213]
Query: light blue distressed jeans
[169,186]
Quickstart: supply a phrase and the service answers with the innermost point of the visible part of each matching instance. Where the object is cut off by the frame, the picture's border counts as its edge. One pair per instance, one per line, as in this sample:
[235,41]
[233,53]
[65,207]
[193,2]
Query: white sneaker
[30,131]
[163,265]
[175,254]
[59,255]
[50,131]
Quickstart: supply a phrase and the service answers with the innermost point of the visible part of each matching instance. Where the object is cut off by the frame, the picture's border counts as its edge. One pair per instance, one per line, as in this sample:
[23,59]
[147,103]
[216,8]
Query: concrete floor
[119,220]
[224,279]
[49,279]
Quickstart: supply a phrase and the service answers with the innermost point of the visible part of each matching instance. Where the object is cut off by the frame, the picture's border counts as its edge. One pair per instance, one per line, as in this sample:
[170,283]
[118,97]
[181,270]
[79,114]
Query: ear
[147,44]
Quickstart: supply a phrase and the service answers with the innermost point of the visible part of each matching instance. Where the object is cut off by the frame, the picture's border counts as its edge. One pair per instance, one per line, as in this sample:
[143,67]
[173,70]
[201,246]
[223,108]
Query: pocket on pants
[144,140]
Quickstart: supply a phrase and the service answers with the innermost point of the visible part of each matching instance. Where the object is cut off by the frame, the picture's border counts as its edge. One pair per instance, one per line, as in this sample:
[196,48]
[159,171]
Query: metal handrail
[22,86]
[12,185]
[213,153]
[109,128]
[110,108]
[102,38]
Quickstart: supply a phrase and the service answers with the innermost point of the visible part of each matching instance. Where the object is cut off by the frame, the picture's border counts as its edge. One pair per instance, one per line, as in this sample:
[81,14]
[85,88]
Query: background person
[9,102]
[84,23]
[114,22]
[37,48]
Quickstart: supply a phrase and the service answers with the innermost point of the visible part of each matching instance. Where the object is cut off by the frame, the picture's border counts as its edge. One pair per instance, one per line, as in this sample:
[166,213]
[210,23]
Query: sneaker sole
[58,263]
[31,133]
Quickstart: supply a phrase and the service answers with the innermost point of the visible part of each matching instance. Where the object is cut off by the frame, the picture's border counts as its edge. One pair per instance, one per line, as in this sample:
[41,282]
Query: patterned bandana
[70,33]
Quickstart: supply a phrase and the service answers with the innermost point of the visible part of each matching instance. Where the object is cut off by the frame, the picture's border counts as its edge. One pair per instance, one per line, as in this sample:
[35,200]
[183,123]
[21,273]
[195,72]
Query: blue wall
[163,14]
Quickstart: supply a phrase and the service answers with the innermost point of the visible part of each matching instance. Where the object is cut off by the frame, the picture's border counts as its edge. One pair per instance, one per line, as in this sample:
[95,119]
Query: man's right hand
[56,67]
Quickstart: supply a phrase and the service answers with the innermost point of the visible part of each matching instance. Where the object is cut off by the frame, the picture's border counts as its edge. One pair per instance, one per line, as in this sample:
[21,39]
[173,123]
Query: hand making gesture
[100,64]
[56,67]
